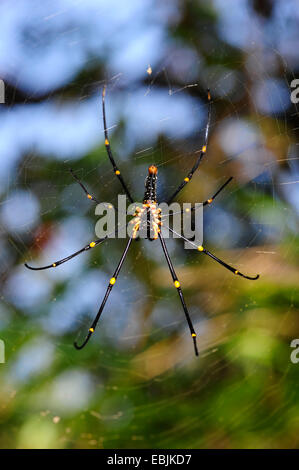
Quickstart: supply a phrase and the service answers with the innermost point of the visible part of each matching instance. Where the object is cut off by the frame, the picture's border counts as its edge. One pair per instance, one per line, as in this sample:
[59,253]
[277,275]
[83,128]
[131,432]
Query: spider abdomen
[150,193]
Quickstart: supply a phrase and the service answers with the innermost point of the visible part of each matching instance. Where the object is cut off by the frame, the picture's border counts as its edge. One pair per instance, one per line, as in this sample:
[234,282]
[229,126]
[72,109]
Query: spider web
[122,390]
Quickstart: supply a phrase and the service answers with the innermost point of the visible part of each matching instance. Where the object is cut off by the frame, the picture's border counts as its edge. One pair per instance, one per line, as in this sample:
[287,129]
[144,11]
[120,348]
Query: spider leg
[178,287]
[85,248]
[67,258]
[108,291]
[202,152]
[109,151]
[201,249]
[227,266]
[211,199]
[89,196]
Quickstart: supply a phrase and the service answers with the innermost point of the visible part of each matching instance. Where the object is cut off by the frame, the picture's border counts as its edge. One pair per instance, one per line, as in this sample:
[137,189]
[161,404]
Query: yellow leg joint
[117,172]
[187,180]
[200,248]
[91,330]
[236,271]
[204,149]
[54,265]
[210,200]
[106,142]
[89,196]
[193,335]
[177,284]
[112,281]
[92,244]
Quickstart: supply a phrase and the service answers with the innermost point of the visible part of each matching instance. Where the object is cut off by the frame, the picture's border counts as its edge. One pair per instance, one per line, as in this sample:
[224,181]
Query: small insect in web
[148,215]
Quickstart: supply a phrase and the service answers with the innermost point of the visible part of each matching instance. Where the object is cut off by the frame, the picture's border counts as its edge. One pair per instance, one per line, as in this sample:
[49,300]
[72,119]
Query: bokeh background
[138,384]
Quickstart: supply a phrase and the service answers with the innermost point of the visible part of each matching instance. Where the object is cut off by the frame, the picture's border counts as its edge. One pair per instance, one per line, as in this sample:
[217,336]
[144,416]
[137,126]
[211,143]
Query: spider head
[152,170]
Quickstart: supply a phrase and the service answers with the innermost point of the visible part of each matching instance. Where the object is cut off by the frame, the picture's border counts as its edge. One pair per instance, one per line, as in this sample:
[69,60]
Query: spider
[153,220]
